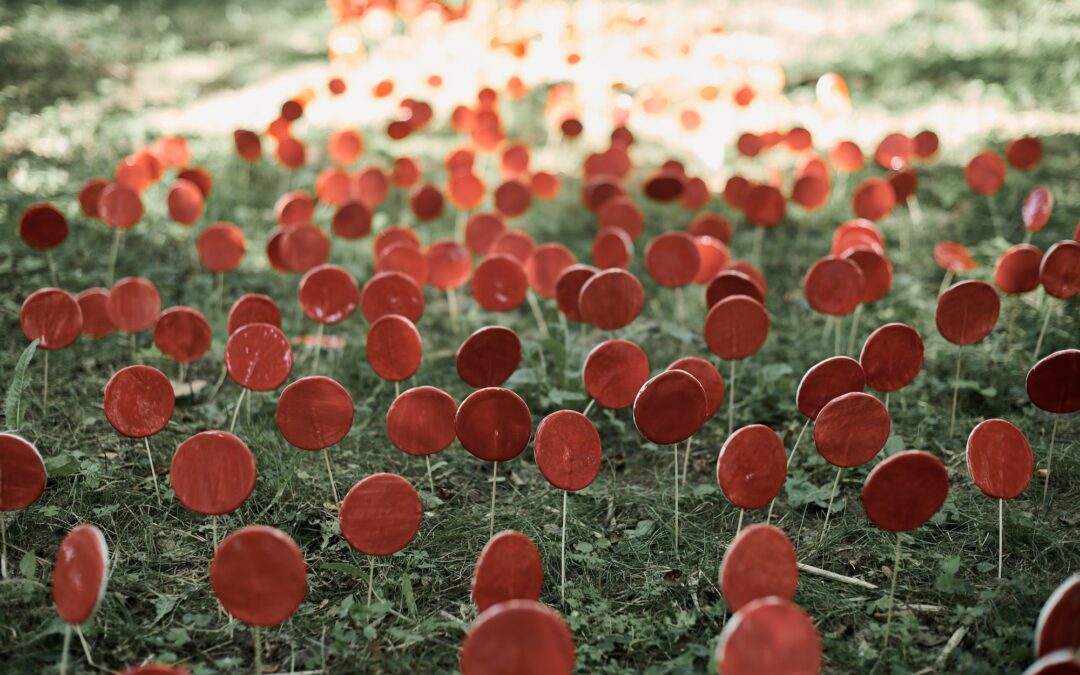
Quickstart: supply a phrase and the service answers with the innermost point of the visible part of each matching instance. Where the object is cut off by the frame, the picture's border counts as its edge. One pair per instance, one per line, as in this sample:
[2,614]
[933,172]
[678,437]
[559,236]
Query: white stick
[153,472]
[562,583]
[817,571]
[892,590]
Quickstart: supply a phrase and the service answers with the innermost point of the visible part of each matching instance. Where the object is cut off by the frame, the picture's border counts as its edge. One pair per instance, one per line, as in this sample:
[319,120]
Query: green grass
[632,604]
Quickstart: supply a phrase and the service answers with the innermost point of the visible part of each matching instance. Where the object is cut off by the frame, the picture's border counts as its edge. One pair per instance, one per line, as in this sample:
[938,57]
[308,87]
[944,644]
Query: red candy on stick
[259,575]
[509,568]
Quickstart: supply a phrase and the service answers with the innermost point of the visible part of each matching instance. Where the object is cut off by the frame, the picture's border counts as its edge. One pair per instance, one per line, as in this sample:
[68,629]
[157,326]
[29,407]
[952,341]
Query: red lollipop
[481,231]
[499,283]
[568,289]
[851,429]
[1017,270]
[736,327]
[406,259]
[672,259]
[670,407]
[259,576]
[985,173]
[827,380]
[877,272]
[133,304]
[545,265]
[752,466]
[392,293]
[614,372]
[420,421]
[764,206]
[51,316]
[426,203]
[709,378]
[1060,270]
[621,213]
[512,198]
[253,308]
[183,334]
[212,473]
[514,243]
[759,563]
[611,299]
[381,514]
[1037,207]
[567,450]
[328,294]
[999,459]
[518,637]
[967,312]
[22,473]
[488,357]
[43,226]
[89,194]
[259,357]
[301,247]
[953,257]
[449,265]
[769,635]
[1057,662]
[95,318]
[834,286]
[892,357]
[120,206]
[904,491]
[1058,626]
[731,282]
[873,199]
[1053,384]
[314,413]
[80,574]
[185,202]
[493,424]
[394,348]
[221,247]
[1024,153]
[711,225]
[509,568]
[714,257]
[139,401]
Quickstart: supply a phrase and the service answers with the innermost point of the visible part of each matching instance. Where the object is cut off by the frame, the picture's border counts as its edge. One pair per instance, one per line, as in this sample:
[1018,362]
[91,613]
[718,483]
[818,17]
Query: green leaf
[641,529]
[347,568]
[19,381]
[28,565]
[61,465]
[407,590]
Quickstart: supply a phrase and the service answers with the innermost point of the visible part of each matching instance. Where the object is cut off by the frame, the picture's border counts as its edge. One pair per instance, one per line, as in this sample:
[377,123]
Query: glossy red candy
[1017,270]
[481,231]
[759,563]
[314,413]
[752,466]
[394,348]
[892,357]
[834,286]
[518,637]
[708,376]
[1037,208]
[731,282]
[212,473]
[449,265]
[670,407]
[392,293]
[876,270]
[139,401]
[672,259]
[851,429]
[221,247]
[567,449]
[258,356]
[736,327]
[381,514]
[509,568]
[95,318]
[493,424]
[119,206]
[764,206]
[133,304]
[406,259]
[259,575]
[1053,383]
[52,316]
[1057,662]
[1058,626]
[967,312]
[953,257]
[873,199]
[769,635]
[614,372]
[80,574]
[253,308]
[329,294]
[488,357]
[985,173]
[43,226]
[827,380]
[421,421]
[568,289]
[545,265]
[499,283]
[183,334]
[22,473]
[905,490]
[999,459]
[1060,270]
[611,299]
[714,257]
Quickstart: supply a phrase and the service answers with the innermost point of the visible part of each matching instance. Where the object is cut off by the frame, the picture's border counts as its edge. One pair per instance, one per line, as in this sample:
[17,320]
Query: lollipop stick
[318,346]
[52,268]
[221,291]
[3,547]
[153,472]
[955,391]
[589,407]
[854,329]
[257,640]
[832,496]
[915,210]
[675,448]
[791,455]
[370,578]
[945,281]
[134,348]
[67,648]
[451,302]
[431,480]
[892,590]
[45,386]
[330,473]
[1001,535]
[1042,331]
[686,459]
[494,477]
[236,412]
[731,402]
[213,530]
[397,389]
[886,401]
[1049,461]
[562,583]
[117,236]
[538,314]
[738,528]
[836,336]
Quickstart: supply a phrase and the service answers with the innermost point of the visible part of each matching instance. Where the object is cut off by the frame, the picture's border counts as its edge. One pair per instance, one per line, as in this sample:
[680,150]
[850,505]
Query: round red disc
[449,265]
[611,299]
[670,407]
[711,225]
[133,304]
[752,466]
[1037,207]
[1060,270]
[258,356]
[421,421]
[499,283]
[314,413]
[481,231]
[119,206]
[873,199]
[183,334]
[1058,662]
[22,473]
[764,206]
[759,563]
[494,424]
[1017,270]
[999,459]
[512,198]
[80,574]
[892,357]
[834,286]
[769,635]
[672,259]
[731,282]
[328,294]
[391,293]
[876,270]
[381,514]
[488,357]
[985,173]
[521,637]
[1053,383]
[568,289]
[509,568]
[905,490]
[52,316]
[967,312]
[405,258]
[1059,619]
[43,226]
[212,473]
[545,265]
[953,257]
[567,450]
[394,348]
[253,308]
[614,372]
[221,247]
[139,401]
[736,327]
[714,257]
[708,377]
[851,429]
[259,576]
[514,243]
[824,381]
[95,318]
[394,234]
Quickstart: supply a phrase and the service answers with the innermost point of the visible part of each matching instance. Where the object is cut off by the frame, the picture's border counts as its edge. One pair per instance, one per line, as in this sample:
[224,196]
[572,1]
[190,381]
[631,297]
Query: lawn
[71,105]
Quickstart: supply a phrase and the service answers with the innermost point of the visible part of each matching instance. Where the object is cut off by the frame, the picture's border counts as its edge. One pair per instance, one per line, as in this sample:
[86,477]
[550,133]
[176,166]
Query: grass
[632,604]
